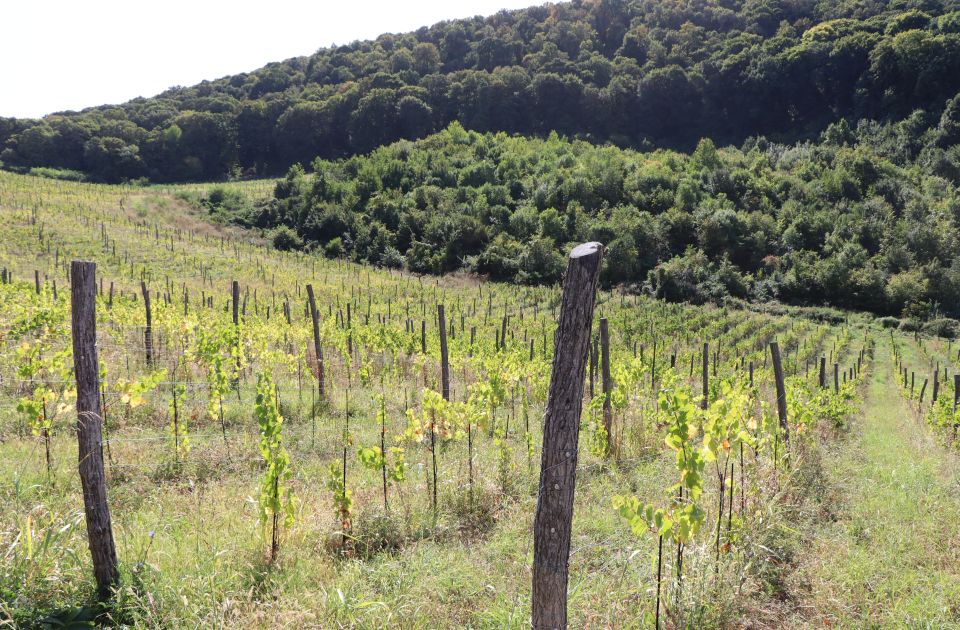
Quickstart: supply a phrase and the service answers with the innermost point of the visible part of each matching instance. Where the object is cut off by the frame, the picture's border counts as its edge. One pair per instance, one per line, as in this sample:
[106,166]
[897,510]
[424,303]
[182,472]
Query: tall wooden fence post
[956,401]
[705,402]
[558,464]
[606,382]
[444,357]
[781,390]
[89,416]
[316,339]
[148,331]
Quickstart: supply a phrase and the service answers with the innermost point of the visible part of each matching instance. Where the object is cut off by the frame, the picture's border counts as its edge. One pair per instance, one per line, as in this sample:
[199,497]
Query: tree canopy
[638,73]
[866,217]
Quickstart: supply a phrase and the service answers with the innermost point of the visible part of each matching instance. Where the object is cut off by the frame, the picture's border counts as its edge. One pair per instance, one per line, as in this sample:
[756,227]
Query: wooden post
[606,382]
[781,390]
[316,339]
[956,400]
[89,416]
[558,465]
[444,358]
[235,294]
[706,376]
[823,372]
[148,331]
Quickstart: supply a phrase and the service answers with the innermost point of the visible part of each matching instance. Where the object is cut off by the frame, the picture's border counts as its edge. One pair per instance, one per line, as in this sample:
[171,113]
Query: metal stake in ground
[558,464]
[89,416]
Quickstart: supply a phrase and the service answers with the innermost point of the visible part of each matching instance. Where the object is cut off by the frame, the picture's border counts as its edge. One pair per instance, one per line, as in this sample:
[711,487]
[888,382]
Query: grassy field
[854,526]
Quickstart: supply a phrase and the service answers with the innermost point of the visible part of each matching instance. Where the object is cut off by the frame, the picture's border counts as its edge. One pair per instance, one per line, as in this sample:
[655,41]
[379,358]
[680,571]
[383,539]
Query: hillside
[864,219]
[640,74]
[246,492]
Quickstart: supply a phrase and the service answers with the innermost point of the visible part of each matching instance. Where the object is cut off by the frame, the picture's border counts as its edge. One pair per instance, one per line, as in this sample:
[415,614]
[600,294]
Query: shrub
[909,325]
[888,322]
[942,327]
[285,239]
[334,248]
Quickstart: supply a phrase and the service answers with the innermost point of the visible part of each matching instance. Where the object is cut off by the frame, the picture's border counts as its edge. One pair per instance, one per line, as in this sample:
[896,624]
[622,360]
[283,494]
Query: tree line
[639,74]
[866,217]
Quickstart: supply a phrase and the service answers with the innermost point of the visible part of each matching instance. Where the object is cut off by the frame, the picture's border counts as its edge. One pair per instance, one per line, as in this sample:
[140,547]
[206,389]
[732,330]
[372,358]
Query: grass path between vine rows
[889,555]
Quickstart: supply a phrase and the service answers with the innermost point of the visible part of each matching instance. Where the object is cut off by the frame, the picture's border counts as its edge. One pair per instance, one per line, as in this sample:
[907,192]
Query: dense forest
[640,74]
[865,218]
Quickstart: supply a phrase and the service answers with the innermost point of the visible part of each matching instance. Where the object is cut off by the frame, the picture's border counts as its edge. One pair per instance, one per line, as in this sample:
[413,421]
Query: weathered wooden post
[956,401]
[89,416]
[823,372]
[706,376]
[444,357]
[148,331]
[558,465]
[316,339]
[606,382]
[235,301]
[781,390]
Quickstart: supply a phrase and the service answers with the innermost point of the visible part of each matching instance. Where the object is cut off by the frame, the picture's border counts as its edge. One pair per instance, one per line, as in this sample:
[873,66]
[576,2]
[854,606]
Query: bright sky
[68,54]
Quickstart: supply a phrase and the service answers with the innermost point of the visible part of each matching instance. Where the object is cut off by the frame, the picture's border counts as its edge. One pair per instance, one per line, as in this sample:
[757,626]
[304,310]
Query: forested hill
[641,73]
[865,218]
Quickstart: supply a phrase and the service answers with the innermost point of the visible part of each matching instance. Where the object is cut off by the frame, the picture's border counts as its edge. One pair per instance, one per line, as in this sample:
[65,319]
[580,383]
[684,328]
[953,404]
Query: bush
[334,248]
[942,327]
[285,239]
[909,325]
[392,258]
[888,322]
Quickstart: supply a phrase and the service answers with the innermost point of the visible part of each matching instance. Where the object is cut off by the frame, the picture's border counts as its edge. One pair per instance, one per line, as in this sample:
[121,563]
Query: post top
[586,249]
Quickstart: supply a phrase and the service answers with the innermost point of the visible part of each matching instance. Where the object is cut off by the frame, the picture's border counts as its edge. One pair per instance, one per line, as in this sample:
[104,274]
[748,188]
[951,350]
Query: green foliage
[276,499]
[342,496]
[852,223]
[683,517]
[631,73]
[179,431]
[285,239]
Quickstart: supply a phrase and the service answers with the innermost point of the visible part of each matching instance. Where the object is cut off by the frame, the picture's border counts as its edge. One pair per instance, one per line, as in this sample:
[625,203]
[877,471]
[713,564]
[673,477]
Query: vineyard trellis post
[781,390]
[315,317]
[444,357]
[606,382]
[148,330]
[706,376]
[89,437]
[558,465]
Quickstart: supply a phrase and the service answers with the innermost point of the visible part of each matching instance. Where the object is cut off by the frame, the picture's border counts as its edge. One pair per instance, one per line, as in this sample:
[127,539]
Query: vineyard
[292,441]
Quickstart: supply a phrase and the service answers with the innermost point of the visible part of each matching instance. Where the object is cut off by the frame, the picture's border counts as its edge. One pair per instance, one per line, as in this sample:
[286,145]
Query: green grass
[881,497]
[890,554]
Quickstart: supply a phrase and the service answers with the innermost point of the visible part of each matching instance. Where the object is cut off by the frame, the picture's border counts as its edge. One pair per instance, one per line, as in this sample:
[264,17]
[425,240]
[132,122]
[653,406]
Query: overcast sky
[70,54]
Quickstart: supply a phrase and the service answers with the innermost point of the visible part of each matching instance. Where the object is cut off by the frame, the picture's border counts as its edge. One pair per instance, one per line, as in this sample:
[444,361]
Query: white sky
[70,54]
